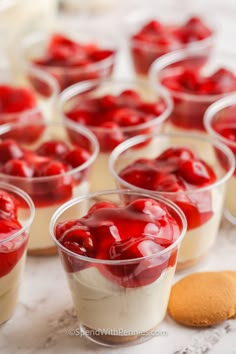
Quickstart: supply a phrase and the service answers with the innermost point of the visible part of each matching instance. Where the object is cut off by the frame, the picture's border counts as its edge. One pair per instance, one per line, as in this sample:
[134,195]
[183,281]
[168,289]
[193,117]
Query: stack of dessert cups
[50,161]
[220,122]
[114,110]
[195,80]
[14,233]
[70,57]
[153,35]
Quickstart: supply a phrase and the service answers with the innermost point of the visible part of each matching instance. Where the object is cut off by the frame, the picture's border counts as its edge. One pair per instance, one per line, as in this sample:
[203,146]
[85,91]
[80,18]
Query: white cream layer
[231,196]
[9,287]
[198,241]
[39,231]
[103,304]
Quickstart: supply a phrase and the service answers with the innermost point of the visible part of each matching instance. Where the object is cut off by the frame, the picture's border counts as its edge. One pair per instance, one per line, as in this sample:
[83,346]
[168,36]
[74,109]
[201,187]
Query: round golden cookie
[203,299]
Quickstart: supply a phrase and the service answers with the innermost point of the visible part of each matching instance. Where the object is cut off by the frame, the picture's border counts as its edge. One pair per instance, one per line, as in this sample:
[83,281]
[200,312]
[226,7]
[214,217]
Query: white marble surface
[44,315]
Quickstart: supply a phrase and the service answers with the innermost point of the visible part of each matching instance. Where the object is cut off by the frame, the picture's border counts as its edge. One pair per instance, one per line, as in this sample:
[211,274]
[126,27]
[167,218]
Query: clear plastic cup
[203,206]
[49,192]
[189,108]
[222,115]
[34,47]
[13,252]
[110,137]
[143,54]
[41,85]
[110,313]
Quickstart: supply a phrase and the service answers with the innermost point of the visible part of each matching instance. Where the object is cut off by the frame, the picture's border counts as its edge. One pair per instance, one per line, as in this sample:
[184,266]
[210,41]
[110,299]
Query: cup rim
[81,87]
[146,16]
[76,200]
[42,36]
[215,108]
[76,127]
[41,74]
[129,143]
[170,58]
[11,188]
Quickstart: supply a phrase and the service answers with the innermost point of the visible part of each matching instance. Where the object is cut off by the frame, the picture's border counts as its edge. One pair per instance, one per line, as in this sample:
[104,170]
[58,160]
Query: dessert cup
[220,122]
[143,54]
[189,107]
[13,251]
[48,190]
[40,92]
[34,48]
[119,302]
[201,204]
[110,136]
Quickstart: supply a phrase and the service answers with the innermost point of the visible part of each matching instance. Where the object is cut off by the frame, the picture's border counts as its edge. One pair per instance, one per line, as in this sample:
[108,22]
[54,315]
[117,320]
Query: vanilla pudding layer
[9,288]
[231,196]
[136,309]
[39,230]
[198,241]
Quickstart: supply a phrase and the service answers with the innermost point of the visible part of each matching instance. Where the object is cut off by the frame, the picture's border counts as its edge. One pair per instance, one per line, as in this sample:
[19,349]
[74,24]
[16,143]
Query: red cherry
[16,99]
[53,168]
[63,226]
[110,137]
[156,108]
[153,26]
[100,54]
[108,102]
[7,206]
[196,172]
[195,217]
[8,227]
[195,29]
[79,236]
[130,98]
[61,47]
[126,117]
[55,149]
[9,149]
[18,168]
[181,153]
[77,157]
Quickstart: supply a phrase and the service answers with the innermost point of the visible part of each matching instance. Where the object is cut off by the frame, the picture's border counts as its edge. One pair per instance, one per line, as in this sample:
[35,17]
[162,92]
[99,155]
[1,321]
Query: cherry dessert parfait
[115,111]
[14,232]
[220,121]
[120,260]
[153,39]
[29,97]
[51,163]
[193,87]
[190,177]
[69,58]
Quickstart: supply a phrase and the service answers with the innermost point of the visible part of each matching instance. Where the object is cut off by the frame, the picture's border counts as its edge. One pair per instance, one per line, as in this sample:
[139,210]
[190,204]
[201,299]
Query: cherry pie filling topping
[188,113]
[53,159]
[113,114]
[15,101]
[10,251]
[64,53]
[155,39]
[227,129]
[180,173]
[139,229]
